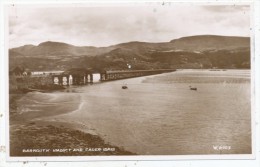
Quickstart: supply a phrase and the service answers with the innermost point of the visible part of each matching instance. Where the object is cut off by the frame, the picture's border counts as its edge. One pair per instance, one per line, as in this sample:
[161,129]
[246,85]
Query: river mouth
[156,115]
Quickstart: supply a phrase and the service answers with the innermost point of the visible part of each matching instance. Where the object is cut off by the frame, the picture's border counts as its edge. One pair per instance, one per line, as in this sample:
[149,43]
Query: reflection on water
[160,115]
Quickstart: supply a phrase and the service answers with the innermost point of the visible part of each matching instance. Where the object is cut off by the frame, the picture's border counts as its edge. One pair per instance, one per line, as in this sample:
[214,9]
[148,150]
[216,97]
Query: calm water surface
[158,115]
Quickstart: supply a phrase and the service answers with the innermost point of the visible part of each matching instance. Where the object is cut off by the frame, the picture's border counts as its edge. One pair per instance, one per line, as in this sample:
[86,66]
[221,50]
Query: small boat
[124,87]
[193,88]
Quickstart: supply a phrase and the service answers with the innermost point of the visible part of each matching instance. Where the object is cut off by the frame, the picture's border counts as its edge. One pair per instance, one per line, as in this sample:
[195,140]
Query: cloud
[108,25]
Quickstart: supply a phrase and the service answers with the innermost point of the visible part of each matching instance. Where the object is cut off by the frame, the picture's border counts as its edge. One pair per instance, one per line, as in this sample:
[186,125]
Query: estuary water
[157,115]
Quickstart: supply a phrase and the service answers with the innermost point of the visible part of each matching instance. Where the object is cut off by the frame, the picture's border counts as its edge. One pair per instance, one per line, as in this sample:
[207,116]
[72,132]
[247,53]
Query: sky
[112,24]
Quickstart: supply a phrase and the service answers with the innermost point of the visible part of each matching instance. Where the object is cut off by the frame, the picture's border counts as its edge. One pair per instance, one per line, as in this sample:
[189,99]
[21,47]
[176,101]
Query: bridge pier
[72,79]
[103,76]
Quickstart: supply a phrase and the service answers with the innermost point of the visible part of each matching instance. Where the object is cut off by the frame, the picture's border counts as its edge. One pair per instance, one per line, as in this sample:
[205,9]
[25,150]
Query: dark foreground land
[31,139]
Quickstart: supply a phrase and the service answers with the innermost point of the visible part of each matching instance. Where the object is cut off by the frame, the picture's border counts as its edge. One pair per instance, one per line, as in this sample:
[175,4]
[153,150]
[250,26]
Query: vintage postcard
[130,81]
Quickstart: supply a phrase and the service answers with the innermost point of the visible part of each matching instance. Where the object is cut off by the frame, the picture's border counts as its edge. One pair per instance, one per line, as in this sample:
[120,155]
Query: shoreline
[28,136]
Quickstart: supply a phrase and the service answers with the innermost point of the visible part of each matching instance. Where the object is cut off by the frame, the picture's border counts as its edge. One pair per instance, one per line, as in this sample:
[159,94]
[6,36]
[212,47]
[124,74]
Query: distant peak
[29,45]
[52,43]
[206,36]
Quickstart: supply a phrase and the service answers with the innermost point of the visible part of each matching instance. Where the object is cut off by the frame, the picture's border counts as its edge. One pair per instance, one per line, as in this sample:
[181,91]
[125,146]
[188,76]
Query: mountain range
[202,51]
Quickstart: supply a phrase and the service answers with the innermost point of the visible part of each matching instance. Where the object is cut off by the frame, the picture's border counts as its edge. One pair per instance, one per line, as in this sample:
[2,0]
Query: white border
[186,157]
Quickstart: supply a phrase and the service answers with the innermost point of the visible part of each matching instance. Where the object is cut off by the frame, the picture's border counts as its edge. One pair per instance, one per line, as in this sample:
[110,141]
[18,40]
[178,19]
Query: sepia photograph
[129,80]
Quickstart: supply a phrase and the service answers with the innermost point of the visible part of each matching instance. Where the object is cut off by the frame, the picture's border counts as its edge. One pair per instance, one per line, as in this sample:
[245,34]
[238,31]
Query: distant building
[40,73]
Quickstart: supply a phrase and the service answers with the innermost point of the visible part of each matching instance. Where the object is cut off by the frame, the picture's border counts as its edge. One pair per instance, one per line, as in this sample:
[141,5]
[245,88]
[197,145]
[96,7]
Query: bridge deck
[115,75]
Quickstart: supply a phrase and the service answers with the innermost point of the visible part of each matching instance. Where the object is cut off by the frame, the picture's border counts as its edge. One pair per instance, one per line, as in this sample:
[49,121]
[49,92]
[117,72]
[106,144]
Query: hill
[204,51]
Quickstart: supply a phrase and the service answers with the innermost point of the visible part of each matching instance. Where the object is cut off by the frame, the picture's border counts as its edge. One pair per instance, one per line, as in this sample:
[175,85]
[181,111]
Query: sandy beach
[31,136]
